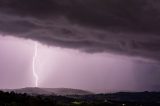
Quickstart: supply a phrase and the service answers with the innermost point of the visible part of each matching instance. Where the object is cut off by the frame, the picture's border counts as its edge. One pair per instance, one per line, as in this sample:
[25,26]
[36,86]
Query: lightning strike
[34,64]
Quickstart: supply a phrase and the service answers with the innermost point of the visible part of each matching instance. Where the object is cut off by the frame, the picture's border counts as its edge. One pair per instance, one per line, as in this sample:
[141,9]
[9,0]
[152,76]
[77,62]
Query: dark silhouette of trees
[117,99]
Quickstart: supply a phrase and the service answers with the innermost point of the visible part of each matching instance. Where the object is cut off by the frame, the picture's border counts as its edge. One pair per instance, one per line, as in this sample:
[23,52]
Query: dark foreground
[116,99]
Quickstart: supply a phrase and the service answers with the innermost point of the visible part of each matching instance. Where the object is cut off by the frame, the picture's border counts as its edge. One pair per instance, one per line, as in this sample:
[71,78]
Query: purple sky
[60,67]
[120,40]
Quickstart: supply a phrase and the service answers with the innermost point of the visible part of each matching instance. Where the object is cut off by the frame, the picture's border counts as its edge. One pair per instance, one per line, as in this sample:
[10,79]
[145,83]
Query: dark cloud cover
[129,27]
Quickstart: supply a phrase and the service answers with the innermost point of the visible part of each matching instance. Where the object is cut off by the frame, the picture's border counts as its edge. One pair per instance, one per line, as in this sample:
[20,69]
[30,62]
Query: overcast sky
[58,67]
[97,45]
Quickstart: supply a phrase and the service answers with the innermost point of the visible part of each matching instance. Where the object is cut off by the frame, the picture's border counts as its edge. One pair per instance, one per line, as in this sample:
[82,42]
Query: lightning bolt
[34,64]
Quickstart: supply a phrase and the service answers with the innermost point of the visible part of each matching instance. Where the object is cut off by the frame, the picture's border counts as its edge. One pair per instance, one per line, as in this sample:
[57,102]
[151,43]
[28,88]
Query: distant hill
[49,91]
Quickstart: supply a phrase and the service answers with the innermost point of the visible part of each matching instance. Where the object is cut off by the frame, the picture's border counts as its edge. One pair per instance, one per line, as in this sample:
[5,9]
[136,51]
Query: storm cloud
[129,27]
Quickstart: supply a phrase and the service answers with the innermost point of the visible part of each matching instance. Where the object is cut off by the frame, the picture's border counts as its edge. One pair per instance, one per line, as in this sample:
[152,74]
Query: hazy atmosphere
[94,45]
[67,68]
